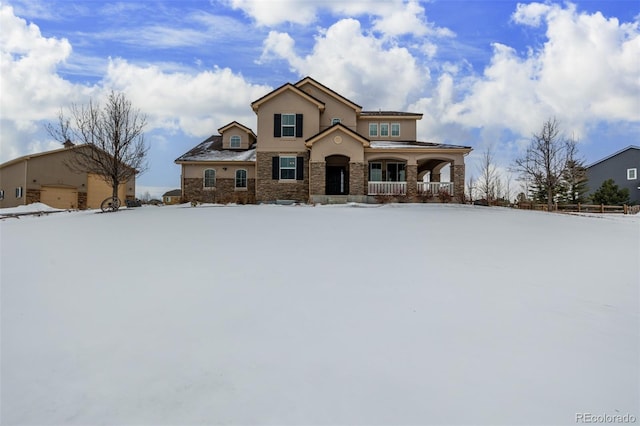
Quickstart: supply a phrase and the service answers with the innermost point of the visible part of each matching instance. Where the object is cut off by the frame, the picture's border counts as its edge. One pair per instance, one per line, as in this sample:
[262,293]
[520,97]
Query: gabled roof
[328,91]
[172,193]
[238,125]
[210,150]
[287,86]
[338,126]
[391,114]
[614,154]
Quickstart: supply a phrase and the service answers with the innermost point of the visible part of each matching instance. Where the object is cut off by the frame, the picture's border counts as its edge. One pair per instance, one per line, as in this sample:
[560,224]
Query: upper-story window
[335,121]
[287,125]
[235,141]
[632,174]
[384,129]
[209,178]
[373,129]
[395,129]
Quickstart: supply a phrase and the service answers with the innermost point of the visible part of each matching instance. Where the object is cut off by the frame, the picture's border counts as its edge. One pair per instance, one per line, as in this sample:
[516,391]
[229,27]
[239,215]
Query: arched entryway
[337,175]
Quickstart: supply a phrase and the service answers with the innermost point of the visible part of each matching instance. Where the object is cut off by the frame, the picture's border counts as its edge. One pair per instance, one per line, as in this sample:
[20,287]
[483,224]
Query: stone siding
[32,196]
[318,179]
[458,183]
[82,200]
[270,190]
[357,178]
[412,180]
[224,192]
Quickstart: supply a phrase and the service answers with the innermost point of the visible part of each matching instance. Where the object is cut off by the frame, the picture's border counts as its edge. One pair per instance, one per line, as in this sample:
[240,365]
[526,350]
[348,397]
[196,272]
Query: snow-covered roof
[211,150]
[413,144]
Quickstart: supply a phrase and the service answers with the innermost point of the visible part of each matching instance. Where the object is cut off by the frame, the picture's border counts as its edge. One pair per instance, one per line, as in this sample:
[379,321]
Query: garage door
[59,198]
[98,190]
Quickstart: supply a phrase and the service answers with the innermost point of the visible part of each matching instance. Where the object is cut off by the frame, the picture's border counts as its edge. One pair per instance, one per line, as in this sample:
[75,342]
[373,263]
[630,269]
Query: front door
[337,180]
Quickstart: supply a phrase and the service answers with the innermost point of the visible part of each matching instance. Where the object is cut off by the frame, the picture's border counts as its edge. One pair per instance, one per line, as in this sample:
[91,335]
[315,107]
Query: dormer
[237,136]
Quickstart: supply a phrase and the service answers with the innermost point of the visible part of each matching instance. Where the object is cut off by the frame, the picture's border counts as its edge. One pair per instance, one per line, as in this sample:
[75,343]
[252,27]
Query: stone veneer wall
[223,192]
[318,179]
[412,180]
[32,196]
[82,200]
[357,178]
[458,183]
[269,190]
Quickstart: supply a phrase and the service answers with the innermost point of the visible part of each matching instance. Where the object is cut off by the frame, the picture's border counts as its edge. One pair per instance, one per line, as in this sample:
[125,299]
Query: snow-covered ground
[327,315]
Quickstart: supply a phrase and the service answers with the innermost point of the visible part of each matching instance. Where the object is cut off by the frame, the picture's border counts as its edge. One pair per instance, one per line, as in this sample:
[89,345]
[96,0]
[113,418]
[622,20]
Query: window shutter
[277,125]
[300,168]
[298,125]
[275,167]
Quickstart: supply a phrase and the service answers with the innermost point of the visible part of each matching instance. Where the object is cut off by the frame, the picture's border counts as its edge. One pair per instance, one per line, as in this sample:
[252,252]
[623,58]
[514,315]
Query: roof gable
[287,87]
[222,129]
[328,91]
[336,127]
[614,154]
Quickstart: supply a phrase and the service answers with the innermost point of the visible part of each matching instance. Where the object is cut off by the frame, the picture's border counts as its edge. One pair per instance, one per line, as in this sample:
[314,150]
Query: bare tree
[545,160]
[112,136]
[486,183]
[471,186]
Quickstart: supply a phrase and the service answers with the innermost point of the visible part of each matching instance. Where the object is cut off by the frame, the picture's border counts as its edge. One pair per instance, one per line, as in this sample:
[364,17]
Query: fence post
[601,208]
[626,209]
[578,207]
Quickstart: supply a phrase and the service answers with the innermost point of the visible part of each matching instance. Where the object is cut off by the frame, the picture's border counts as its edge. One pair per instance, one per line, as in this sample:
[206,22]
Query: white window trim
[632,173]
[283,126]
[19,192]
[371,126]
[280,168]
[388,130]
[391,130]
[246,180]
[1,194]
[204,179]
[231,139]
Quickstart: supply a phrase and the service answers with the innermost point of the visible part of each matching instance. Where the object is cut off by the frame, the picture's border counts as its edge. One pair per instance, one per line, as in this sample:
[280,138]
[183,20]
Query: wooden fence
[581,208]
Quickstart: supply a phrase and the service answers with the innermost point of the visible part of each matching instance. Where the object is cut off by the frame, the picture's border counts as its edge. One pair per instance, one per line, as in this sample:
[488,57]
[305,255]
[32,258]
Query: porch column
[435,177]
[412,180]
[458,182]
[357,179]
[317,177]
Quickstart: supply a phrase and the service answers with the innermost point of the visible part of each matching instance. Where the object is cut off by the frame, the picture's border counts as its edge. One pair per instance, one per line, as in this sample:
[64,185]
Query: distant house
[172,197]
[623,167]
[45,178]
[313,144]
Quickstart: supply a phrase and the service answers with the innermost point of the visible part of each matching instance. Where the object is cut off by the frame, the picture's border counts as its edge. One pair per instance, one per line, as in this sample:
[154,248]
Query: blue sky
[483,73]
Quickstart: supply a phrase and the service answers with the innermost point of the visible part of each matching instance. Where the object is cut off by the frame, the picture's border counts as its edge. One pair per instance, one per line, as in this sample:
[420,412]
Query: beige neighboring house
[172,197]
[314,145]
[45,178]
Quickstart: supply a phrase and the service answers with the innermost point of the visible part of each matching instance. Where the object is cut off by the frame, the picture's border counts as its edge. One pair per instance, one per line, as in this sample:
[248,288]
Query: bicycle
[110,204]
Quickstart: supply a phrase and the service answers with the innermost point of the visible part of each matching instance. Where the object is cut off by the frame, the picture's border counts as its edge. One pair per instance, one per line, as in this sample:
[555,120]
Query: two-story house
[314,145]
[622,167]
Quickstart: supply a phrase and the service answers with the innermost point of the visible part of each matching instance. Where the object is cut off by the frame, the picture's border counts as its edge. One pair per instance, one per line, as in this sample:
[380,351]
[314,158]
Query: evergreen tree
[574,183]
[610,194]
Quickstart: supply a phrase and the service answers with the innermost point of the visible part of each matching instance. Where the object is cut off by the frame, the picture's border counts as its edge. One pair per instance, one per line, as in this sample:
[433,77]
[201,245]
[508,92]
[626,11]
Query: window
[395,129]
[384,129]
[288,168]
[235,141]
[632,174]
[396,172]
[288,125]
[19,192]
[241,178]
[1,194]
[209,178]
[373,129]
[335,121]
[375,172]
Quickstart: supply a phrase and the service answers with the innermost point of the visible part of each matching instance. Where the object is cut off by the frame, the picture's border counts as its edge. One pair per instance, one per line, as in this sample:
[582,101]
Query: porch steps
[337,199]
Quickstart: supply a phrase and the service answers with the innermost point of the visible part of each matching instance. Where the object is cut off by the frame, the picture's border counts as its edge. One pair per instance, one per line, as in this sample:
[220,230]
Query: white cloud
[274,12]
[360,67]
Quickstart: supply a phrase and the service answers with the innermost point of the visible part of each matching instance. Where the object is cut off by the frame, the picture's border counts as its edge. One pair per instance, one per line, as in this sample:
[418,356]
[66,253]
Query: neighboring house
[172,197]
[45,178]
[623,167]
[314,145]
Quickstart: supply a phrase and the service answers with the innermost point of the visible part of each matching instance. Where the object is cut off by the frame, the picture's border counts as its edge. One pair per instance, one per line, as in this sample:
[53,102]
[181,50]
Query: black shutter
[277,125]
[298,125]
[300,168]
[275,167]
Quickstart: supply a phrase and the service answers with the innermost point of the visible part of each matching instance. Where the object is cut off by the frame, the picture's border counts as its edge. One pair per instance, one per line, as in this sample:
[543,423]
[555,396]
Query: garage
[98,190]
[59,197]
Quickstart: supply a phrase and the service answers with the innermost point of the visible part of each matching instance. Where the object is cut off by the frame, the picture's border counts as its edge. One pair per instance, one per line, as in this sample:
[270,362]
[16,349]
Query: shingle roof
[172,193]
[414,144]
[390,113]
[211,150]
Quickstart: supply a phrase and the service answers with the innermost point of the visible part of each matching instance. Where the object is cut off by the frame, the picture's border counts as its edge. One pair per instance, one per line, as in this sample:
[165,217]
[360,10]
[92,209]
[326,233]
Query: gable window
[373,129]
[395,129]
[335,121]
[209,178]
[375,172]
[241,178]
[287,168]
[234,142]
[19,192]
[384,129]
[632,174]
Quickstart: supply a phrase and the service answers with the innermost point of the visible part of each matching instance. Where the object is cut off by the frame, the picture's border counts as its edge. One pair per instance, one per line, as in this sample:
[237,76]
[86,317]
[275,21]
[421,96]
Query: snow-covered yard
[395,315]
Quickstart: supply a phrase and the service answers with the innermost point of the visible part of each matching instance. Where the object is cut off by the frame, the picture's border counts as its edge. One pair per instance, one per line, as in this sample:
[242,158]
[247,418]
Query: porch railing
[387,188]
[435,187]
